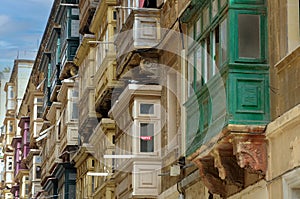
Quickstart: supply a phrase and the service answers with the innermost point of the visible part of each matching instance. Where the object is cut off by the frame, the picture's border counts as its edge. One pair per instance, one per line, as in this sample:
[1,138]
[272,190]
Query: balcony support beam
[226,165]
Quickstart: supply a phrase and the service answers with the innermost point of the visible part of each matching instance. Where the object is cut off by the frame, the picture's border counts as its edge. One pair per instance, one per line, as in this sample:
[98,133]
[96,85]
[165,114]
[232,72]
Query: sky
[22,24]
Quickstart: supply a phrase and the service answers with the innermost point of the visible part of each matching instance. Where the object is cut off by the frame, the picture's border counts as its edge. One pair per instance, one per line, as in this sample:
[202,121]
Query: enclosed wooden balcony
[105,79]
[104,133]
[87,113]
[68,118]
[53,157]
[141,30]
[138,147]
[35,128]
[87,9]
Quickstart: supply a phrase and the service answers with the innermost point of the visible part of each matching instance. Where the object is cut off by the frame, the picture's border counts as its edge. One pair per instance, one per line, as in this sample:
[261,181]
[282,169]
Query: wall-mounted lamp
[98,174]
[69,4]
[101,42]
[133,8]
[118,156]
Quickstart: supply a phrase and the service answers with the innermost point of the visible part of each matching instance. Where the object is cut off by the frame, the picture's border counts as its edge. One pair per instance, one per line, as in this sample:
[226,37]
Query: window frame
[290,182]
[263,36]
[208,66]
[146,118]
[155,115]
[152,135]
[156,136]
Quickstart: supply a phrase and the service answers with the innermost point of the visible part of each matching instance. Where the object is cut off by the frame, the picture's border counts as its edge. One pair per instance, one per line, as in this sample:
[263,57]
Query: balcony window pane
[198,27]
[198,57]
[75,112]
[147,137]
[147,108]
[74,28]
[207,59]
[205,17]
[249,35]
[38,172]
[39,111]
[11,92]
[216,44]
[223,32]
[191,35]
[214,8]
[223,3]
[190,74]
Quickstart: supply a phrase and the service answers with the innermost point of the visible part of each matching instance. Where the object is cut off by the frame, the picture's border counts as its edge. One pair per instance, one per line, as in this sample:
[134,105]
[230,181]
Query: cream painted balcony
[85,59]
[137,114]
[44,145]
[141,30]
[68,119]
[104,133]
[87,113]
[53,137]
[105,77]
[35,101]
[87,9]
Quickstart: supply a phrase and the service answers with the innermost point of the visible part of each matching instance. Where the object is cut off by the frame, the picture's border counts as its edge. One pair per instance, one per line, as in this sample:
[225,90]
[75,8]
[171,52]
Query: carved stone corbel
[210,176]
[227,166]
[251,152]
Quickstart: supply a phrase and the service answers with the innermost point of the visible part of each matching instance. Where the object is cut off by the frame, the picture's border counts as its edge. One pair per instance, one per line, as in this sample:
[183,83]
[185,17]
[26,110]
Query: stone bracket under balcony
[237,160]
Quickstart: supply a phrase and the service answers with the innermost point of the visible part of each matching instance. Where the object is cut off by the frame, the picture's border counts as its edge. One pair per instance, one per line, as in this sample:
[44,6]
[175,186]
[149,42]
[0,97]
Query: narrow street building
[157,99]
[12,138]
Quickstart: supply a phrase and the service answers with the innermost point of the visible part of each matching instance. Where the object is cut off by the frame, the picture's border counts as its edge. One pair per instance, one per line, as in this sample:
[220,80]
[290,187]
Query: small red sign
[146,138]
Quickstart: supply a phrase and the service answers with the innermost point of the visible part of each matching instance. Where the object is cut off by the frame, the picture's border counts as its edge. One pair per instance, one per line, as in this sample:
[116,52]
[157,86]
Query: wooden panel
[145,180]
[249,98]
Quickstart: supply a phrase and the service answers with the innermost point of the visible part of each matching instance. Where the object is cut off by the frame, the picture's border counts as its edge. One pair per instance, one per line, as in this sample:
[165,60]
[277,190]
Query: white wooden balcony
[87,113]
[68,118]
[105,78]
[141,30]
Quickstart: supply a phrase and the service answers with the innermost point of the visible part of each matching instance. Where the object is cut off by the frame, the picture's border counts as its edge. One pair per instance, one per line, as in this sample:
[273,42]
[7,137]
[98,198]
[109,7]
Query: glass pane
[198,27]
[191,35]
[190,74]
[40,99]
[147,137]
[74,28]
[207,60]
[216,45]
[198,57]
[296,193]
[39,111]
[223,33]
[214,8]
[147,108]
[75,111]
[222,3]
[75,93]
[205,17]
[249,35]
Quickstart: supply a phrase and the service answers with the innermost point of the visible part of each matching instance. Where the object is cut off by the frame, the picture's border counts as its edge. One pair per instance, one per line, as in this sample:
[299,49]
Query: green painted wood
[234,37]
[247,3]
[245,80]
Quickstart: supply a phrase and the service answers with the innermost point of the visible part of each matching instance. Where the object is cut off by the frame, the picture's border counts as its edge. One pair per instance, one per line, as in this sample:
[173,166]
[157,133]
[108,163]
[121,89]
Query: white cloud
[6,45]
[4,20]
